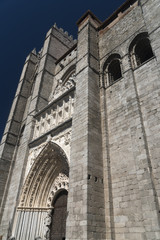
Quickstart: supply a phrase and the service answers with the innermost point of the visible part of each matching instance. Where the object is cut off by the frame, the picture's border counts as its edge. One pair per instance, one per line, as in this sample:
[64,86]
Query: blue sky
[24,24]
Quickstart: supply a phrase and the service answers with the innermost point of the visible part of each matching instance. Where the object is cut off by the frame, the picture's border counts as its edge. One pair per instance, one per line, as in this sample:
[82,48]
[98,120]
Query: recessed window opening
[143,51]
[96,179]
[140,50]
[22,130]
[114,71]
[89,176]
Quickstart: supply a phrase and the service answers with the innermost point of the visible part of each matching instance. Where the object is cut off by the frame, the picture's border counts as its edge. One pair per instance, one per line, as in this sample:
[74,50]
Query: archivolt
[60,183]
[68,73]
[48,165]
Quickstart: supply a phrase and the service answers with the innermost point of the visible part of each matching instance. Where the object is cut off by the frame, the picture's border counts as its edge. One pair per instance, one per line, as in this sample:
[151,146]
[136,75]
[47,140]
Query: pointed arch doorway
[45,187]
[59,215]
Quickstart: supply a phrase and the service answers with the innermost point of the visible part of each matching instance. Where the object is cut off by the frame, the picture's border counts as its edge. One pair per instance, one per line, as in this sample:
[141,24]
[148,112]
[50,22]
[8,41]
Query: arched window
[112,69]
[140,50]
[64,83]
[70,73]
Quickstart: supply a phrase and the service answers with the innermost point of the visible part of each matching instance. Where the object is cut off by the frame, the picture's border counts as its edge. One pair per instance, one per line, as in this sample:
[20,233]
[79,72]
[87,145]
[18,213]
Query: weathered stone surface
[74,125]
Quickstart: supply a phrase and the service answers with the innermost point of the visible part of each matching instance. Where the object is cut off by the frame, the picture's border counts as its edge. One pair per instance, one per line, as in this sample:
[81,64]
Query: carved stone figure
[47,223]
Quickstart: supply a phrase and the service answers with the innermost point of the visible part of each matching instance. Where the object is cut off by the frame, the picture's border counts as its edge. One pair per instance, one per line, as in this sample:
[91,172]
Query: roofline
[114,15]
[110,19]
[87,14]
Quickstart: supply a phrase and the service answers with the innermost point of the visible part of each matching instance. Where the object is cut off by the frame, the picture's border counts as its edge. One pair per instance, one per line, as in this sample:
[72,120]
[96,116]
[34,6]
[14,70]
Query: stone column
[86,191]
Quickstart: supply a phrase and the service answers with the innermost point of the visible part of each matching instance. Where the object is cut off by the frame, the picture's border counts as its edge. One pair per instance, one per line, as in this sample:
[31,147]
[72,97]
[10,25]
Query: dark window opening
[89,176]
[96,179]
[22,130]
[140,50]
[114,71]
[143,51]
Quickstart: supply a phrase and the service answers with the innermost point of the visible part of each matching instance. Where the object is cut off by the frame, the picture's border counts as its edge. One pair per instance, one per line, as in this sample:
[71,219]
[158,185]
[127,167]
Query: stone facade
[86,119]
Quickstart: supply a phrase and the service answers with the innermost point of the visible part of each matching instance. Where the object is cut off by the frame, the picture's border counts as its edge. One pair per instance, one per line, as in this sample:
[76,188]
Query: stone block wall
[131,122]
[114,186]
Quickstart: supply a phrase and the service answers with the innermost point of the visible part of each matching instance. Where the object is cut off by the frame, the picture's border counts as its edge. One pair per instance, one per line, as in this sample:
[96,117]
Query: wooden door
[58,224]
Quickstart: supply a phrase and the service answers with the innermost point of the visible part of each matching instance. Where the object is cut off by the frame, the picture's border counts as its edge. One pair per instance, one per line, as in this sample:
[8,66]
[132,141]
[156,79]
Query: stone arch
[140,49]
[61,183]
[65,83]
[50,162]
[48,174]
[69,72]
[112,69]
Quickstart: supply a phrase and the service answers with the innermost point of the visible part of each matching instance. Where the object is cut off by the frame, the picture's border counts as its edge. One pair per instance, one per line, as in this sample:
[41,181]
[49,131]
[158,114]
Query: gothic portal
[79,158]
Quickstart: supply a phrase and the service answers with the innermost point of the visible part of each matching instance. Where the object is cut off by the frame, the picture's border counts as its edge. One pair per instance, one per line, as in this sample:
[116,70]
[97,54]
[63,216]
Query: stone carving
[61,182]
[64,138]
[63,87]
[52,155]
[34,153]
[47,224]
[54,116]
[40,176]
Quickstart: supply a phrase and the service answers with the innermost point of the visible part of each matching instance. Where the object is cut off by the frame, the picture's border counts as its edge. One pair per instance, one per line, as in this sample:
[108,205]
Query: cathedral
[80,154]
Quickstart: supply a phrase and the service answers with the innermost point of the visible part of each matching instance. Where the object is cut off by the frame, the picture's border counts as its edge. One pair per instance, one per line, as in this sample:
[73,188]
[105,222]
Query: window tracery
[140,50]
[64,85]
[112,69]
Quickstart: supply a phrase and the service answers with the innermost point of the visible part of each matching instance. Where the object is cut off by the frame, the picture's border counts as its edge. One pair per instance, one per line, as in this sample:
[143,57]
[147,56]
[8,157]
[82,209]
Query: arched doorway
[59,215]
[46,183]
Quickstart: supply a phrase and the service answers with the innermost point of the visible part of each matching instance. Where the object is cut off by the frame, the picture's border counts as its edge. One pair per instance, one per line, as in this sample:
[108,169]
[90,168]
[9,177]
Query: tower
[80,151]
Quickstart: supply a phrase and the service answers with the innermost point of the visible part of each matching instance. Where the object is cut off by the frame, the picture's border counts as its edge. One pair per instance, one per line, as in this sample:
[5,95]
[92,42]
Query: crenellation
[87,134]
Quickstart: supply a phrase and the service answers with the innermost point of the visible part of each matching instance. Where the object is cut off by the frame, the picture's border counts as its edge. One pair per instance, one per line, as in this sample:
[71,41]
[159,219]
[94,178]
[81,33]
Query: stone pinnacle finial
[55,25]
[34,51]
[61,29]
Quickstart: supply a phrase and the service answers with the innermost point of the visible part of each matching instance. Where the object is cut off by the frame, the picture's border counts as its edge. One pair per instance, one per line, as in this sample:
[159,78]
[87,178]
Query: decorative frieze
[55,115]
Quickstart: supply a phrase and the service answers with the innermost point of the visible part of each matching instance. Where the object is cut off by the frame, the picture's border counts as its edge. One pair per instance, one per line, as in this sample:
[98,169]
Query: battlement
[61,34]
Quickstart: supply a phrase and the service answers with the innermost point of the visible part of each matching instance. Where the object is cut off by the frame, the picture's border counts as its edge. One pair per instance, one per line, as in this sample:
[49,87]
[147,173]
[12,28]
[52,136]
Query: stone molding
[57,114]
[63,86]
[51,160]
[60,183]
